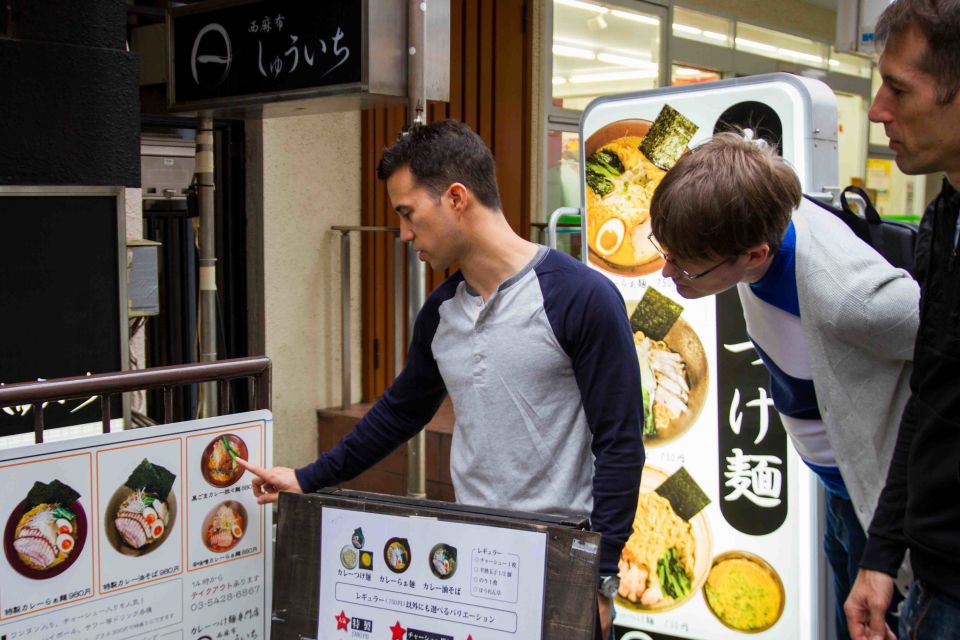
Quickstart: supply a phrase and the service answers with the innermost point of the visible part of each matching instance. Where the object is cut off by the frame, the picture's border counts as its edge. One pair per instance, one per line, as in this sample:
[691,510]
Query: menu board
[725,535]
[147,533]
[411,578]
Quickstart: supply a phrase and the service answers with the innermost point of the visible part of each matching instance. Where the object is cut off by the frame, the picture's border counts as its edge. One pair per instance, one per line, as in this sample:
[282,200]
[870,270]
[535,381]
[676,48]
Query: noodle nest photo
[744,592]
[673,367]
[46,531]
[624,162]
[218,463]
[141,512]
[667,557]
[224,526]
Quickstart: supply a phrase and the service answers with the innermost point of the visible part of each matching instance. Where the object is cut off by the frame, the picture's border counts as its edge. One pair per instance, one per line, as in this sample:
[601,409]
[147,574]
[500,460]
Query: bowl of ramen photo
[673,367]
[667,556]
[140,514]
[224,526]
[744,592]
[624,162]
[218,463]
[46,531]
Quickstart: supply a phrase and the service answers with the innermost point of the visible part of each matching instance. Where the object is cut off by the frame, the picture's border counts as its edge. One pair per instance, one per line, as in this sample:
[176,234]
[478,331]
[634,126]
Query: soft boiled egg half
[610,236]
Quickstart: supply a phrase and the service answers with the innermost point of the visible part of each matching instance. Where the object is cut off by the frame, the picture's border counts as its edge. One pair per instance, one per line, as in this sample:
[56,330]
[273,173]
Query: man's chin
[689,293]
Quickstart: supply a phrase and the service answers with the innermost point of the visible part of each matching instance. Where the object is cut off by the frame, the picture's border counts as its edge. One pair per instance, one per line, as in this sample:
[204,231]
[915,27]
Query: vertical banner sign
[724,538]
[147,533]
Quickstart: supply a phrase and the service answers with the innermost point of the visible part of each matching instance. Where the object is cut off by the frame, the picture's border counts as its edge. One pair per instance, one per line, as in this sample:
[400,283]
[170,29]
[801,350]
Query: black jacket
[919,507]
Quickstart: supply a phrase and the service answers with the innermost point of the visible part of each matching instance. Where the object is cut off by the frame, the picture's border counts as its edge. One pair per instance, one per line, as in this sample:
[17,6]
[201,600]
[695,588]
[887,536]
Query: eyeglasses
[683,272]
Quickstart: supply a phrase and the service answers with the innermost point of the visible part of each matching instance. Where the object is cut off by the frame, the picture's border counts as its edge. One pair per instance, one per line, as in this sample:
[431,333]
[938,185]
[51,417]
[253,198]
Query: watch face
[609,586]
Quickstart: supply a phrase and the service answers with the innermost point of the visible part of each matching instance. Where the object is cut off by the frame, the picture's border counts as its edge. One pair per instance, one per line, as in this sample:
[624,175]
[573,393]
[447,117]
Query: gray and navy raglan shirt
[546,391]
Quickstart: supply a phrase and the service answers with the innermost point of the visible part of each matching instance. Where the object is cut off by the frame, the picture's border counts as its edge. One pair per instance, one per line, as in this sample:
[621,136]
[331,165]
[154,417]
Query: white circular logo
[226,59]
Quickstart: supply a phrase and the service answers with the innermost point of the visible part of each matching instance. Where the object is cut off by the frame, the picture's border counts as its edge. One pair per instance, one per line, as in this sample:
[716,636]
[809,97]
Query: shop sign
[262,49]
[727,510]
[147,532]
[409,578]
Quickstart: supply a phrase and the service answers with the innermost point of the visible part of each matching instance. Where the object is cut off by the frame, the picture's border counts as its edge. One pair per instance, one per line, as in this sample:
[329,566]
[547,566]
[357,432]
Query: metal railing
[107,385]
[416,446]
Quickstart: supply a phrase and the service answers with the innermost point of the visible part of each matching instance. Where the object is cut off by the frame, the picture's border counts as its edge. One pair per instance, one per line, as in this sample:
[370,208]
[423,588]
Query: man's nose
[878,111]
[406,234]
[670,270]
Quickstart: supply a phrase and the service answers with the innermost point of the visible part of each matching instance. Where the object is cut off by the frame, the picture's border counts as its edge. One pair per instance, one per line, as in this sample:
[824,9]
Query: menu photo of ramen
[667,556]
[224,526]
[673,367]
[624,163]
[46,531]
[140,514]
[218,462]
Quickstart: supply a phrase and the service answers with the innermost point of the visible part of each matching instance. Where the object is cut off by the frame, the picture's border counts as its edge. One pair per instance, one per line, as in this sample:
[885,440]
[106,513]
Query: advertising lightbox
[725,540]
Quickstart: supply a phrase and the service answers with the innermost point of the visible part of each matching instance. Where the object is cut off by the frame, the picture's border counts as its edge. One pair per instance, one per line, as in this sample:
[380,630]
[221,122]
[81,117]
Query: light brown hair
[938,21]
[725,196]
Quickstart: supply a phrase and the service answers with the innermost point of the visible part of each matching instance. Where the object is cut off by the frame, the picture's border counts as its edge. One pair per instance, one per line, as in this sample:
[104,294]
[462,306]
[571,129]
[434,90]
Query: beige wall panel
[311,168]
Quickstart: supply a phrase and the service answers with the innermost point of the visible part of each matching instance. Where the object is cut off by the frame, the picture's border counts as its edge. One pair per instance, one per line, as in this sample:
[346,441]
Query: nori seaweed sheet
[54,493]
[152,478]
[669,135]
[655,314]
[684,494]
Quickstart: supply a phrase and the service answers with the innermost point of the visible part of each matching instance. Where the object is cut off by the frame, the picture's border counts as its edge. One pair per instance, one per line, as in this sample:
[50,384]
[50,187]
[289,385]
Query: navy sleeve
[589,318]
[403,410]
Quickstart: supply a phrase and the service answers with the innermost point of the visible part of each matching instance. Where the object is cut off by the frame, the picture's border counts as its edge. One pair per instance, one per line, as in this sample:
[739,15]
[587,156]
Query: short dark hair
[441,153]
[725,196]
[939,23]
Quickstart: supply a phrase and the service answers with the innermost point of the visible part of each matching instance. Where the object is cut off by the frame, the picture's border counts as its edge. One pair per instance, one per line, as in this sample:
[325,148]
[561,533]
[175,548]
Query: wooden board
[571,574]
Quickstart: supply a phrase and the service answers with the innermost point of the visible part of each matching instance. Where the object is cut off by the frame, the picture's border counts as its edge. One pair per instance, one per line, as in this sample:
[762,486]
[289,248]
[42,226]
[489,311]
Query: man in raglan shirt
[833,322]
[534,348]
[919,508]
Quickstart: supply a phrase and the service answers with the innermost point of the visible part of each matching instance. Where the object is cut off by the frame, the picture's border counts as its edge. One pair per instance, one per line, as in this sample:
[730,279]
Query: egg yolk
[607,240]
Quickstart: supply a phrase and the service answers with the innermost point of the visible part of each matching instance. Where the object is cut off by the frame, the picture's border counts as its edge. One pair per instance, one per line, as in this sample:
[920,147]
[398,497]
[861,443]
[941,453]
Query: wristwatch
[608,586]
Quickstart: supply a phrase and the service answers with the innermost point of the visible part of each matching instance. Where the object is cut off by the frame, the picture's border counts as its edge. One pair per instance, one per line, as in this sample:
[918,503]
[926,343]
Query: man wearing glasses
[833,322]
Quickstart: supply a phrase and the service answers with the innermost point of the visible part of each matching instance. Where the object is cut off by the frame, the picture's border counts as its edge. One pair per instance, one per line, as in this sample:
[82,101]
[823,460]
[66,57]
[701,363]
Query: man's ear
[757,255]
[457,196]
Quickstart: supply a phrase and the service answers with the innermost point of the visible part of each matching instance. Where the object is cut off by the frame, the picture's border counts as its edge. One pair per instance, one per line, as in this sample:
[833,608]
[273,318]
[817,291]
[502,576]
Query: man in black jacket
[919,508]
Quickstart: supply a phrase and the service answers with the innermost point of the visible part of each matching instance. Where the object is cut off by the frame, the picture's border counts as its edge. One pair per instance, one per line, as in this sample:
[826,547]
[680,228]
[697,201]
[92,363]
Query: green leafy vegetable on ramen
[673,579]
[600,167]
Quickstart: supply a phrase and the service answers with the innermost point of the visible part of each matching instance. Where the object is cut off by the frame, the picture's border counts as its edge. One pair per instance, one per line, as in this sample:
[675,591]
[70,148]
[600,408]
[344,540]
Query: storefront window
[682,74]
[693,25]
[781,46]
[850,65]
[602,49]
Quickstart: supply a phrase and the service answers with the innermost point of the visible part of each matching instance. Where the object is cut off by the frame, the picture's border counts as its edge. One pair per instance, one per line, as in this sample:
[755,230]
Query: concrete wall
[309,168]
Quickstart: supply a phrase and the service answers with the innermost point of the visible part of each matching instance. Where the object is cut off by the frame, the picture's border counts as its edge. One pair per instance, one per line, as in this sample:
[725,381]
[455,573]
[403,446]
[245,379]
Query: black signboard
[752,441]
[60,295]
[264,48]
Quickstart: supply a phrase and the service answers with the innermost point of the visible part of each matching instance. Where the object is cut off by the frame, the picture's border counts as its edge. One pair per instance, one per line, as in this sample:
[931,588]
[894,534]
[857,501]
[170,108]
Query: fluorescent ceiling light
[573,52]
[682,28]
[578,4]
[626,61]
[753,44]
[715,35]
[687,72]
[633,53]
[635,17]
[559,80]
[635,74]
[800,55]
[834,63]
[574,41]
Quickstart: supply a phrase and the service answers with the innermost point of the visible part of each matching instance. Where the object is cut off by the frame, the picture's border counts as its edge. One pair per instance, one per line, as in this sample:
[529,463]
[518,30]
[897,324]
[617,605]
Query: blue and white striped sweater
[771,309]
